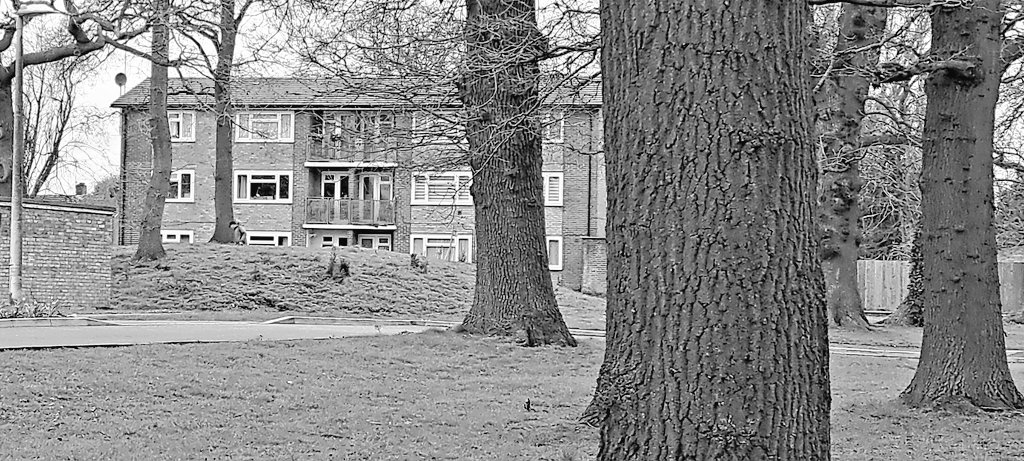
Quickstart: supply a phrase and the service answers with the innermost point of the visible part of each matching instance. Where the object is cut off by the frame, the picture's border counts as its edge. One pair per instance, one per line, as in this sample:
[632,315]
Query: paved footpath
[135,332]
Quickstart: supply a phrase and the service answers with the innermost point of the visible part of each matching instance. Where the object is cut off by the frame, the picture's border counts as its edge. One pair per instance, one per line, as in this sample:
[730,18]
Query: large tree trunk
[717,342]
[963,356]
[499,90]
[223,176]
[150,242]
[860,27]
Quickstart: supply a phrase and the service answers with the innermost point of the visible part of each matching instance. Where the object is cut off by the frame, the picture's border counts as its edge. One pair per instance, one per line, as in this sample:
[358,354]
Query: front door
[335,186]
[375,191]
[375,241]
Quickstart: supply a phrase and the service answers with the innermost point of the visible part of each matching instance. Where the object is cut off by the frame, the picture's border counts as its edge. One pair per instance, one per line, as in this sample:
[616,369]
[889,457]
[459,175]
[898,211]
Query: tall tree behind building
[150,240]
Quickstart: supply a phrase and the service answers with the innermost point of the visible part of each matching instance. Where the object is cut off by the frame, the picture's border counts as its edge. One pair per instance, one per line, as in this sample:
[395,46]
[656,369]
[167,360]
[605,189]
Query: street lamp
[26,8]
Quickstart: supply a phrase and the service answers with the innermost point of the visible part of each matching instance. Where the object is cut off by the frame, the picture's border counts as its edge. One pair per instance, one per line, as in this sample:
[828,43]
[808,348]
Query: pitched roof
[335,93]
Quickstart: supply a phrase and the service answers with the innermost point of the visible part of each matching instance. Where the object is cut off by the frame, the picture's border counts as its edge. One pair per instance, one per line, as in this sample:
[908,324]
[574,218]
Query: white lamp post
[26,9]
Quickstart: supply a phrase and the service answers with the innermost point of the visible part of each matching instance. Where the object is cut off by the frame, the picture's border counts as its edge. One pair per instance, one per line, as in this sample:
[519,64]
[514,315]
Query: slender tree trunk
[910,312]
[64,110]
[150,242]
[859,28]
[717,342]
[499,90]
[963,355]
[223,176]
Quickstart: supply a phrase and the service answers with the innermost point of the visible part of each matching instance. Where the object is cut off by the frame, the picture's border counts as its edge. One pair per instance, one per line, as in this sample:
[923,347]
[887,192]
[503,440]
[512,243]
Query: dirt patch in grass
[230,282]
[428,396]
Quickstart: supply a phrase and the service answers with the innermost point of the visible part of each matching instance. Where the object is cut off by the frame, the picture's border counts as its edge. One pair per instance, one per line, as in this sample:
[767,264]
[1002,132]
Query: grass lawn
[231,282]
[410,397]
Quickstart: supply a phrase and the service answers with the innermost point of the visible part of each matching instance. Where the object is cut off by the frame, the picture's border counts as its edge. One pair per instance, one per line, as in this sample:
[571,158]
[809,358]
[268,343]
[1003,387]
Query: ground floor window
[375,241]
[554,252]
[328,241]
[268,238]
[443,246]
[177,236]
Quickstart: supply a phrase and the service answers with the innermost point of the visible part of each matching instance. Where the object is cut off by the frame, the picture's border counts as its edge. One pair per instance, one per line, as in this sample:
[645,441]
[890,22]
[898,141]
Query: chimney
[81,189]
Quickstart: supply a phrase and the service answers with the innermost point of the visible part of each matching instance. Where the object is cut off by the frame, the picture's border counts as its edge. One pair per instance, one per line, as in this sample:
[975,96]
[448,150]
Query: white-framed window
[182,124]
[554,244]
[552,127]
[182,187]
[553,186]
[263,186]
[265,127]
[442,188]
[177,236]
[443,246]
[380,242]
[327,241]
[268,238]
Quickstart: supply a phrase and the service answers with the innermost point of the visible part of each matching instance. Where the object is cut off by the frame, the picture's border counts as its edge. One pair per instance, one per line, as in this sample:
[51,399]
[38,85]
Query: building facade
[328,163]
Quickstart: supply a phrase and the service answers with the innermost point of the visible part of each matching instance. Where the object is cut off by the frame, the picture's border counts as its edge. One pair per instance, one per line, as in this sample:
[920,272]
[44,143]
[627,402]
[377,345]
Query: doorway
[334,188]
[375,194]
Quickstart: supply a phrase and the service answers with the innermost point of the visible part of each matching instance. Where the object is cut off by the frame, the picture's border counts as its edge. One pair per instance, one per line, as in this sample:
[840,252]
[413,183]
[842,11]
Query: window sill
[178,200]
[265,141]
[182,141]
[263,202]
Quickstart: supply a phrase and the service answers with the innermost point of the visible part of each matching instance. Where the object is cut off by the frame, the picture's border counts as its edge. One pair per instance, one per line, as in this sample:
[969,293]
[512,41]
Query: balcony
[350,150]
[343,211]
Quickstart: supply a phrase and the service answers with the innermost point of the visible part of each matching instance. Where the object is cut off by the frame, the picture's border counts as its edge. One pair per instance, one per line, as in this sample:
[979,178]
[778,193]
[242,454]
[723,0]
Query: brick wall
[595,266]
[580,213]
[200,156]
[66,251]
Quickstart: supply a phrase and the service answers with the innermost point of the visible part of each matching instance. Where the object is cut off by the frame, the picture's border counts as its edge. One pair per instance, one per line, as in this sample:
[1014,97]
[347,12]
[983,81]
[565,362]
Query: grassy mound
[223,278]
[226,277]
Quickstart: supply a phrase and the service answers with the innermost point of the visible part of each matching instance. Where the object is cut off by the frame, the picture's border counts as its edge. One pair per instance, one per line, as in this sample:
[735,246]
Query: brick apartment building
[370,163]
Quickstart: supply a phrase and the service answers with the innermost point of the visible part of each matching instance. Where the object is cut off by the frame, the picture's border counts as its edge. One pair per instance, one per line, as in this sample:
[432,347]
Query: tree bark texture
[150,242]
[717,341]
[499,91]
[910,312]
[224,168]
[963,356]
[859,28]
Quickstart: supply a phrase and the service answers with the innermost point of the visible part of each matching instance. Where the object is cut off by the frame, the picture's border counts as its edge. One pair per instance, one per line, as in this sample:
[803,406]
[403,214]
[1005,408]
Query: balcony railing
[347,211]
[350,149]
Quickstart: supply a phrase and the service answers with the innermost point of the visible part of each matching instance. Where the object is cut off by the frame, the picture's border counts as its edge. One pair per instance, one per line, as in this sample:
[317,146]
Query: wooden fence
[884,283]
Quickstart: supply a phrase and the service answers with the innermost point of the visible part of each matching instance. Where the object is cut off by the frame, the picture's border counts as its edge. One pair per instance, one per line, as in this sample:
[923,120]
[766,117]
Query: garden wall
[66,253]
